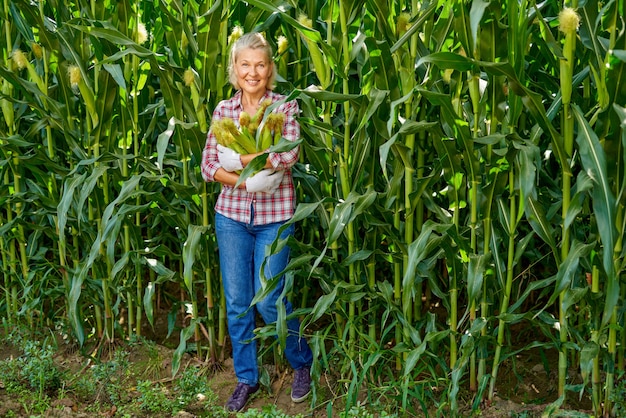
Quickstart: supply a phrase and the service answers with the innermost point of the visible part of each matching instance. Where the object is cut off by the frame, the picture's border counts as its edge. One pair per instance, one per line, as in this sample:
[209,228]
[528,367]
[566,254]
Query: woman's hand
[265,181]
[229,160]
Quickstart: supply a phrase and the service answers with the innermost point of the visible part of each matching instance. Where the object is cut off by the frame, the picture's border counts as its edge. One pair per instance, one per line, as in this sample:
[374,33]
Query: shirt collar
[238,95]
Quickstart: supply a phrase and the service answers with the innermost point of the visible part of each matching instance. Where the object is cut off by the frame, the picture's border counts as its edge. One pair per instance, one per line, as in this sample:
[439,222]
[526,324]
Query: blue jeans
[242,250]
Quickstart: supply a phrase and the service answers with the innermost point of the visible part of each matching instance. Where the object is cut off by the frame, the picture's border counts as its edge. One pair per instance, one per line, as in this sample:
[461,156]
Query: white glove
[229,160]
[266,181]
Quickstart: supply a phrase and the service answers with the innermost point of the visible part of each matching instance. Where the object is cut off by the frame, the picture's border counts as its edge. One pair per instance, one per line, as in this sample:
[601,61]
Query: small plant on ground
[154,398]
[360,411]
[105,382]
[32,377]
[523,414]
[192,387]
[38,368]
[268,411]
[189,391]
[152,366]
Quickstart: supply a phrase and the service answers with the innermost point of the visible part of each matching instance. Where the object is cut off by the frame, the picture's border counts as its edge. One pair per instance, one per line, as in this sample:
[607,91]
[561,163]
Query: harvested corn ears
[244,140]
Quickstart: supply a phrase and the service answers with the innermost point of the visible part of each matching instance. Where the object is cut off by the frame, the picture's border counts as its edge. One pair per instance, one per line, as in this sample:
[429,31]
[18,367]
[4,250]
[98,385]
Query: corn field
[462,176]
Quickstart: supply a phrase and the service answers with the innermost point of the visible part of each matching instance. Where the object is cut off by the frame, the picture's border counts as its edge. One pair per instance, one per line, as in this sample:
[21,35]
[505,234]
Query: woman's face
[253,71]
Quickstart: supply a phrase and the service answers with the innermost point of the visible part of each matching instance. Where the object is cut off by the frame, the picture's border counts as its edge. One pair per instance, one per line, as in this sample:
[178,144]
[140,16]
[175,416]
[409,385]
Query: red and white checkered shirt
[236,204]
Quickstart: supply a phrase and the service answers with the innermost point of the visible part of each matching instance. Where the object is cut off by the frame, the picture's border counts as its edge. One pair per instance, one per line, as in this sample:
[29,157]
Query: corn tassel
[244,123]
[225,138]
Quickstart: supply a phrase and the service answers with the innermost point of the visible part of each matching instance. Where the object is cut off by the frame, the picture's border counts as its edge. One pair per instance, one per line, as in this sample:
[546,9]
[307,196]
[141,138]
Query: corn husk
[245,140]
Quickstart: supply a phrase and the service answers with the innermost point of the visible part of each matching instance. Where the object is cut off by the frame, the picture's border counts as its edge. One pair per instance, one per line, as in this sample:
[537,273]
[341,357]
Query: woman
[248,219]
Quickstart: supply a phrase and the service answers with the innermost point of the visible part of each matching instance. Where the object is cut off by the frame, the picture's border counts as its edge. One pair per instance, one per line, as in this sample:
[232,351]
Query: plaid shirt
[237,204]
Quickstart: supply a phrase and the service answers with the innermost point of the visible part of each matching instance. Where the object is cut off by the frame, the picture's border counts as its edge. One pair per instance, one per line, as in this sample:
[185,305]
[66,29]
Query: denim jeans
[242,249]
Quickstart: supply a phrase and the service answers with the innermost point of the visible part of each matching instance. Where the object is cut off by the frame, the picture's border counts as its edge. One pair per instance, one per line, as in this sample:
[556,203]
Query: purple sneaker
[301,386]
[240,397]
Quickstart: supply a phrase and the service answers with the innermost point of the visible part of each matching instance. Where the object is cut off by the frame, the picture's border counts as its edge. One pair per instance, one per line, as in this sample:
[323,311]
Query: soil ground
[526,386]
[524,392]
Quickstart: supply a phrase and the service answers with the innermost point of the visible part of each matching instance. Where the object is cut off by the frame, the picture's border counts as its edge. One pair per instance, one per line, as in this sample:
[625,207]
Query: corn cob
[5,105]
[265,138]
[225,137]
[244,123]
[258,116]
[252,127]
[242,140]
[319,60]
[272,129]
[278,122]
[246,141]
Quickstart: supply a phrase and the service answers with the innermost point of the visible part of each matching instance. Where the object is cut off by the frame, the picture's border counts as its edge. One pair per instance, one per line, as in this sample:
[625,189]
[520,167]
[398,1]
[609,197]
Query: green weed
[32,377]
[268,411]
[106,381]
[360,411]
[154,398]
[37,368]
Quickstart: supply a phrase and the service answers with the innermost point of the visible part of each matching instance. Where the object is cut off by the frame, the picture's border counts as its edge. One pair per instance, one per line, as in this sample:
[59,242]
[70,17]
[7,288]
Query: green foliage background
[462,173]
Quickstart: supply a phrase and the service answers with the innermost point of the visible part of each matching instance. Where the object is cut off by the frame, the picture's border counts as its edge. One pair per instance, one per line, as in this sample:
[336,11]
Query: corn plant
[462,171]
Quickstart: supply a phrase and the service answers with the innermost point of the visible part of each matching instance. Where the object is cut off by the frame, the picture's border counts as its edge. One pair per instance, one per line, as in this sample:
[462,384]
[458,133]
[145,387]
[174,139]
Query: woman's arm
[210,164]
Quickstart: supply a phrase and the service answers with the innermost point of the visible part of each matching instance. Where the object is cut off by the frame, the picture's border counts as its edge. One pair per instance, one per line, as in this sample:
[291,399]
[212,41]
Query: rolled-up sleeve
[291,132]
[210,163]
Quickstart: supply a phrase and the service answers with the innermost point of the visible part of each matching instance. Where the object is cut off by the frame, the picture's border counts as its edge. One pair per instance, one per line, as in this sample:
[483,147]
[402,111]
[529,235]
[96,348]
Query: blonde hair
[252,40]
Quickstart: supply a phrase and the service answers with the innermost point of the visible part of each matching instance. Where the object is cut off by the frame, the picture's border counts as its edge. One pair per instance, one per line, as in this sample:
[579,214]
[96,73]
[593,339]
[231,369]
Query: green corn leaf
[534,104]
[323,304]
[573,297]
[357,256]
[569,267]
[448,60]
[67,199]
[116,73]
[603,201]
[345,212]
[180,351]
[475,274]
[588,353]
[148,306]
[413,358]
[129,190]
[417,25]
[120,264]
[163,141]
[536,217]
[258,163]
[542,285]
[190,250]
[477,12]
[417,251]
[521,246]
[584,185]
[341,218]
[164,274]
[527,160]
